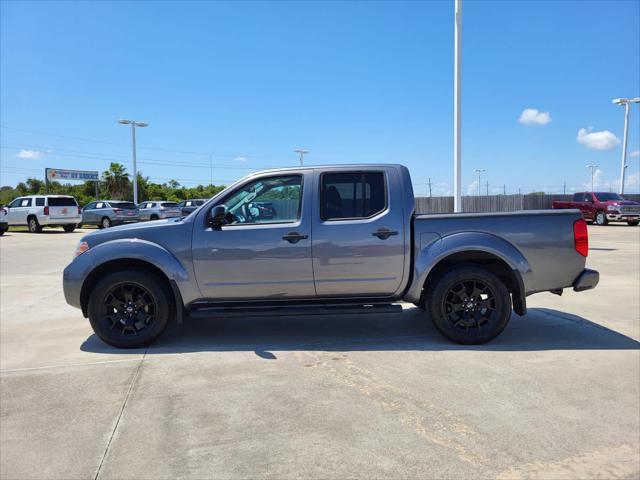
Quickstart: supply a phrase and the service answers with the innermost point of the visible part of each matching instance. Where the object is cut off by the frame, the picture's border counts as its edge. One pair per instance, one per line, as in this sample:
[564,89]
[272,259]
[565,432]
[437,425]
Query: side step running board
[267,311]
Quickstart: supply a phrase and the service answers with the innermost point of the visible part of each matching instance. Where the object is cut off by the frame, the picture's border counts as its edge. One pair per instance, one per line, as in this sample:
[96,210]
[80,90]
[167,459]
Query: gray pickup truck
[340,237]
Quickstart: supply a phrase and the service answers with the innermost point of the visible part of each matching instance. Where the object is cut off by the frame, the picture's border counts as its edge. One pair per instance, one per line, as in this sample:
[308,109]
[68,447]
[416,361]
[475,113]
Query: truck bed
[542,240]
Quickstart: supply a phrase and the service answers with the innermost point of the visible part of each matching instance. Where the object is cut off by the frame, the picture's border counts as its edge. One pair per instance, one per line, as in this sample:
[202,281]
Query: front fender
[432,249]
[144,250]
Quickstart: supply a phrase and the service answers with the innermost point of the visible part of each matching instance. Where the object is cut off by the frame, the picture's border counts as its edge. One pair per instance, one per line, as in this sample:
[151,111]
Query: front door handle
[384,233]
[294,237]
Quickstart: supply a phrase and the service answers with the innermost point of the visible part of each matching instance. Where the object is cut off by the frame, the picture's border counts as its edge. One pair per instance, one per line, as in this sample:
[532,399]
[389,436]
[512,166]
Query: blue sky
[350,82]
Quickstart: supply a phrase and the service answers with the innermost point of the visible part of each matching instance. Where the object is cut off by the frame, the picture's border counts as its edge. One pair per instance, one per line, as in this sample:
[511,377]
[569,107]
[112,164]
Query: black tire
[34,225]
[105,222]
[153,217]
[2,230]
[69,228]
[601,218]
[459,309]
[113,315]
[632,223]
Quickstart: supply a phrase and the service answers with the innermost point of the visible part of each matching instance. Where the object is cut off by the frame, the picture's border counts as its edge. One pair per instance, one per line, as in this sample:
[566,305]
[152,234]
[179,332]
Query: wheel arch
[472,248]
[139,254]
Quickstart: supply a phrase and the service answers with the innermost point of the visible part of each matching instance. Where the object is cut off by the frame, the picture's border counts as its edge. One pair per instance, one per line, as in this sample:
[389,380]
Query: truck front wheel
[129,308]
[469,305]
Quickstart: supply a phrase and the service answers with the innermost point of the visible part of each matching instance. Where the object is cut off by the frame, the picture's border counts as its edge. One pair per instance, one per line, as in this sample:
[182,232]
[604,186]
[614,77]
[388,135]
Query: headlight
[80,249]
[612,207]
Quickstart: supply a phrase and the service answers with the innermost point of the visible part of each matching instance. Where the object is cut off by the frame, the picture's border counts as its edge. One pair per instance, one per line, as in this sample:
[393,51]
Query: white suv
[37,211]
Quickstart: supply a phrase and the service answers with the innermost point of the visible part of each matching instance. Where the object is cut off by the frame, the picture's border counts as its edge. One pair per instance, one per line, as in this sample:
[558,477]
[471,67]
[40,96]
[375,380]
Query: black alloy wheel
[130,308]
[469,305]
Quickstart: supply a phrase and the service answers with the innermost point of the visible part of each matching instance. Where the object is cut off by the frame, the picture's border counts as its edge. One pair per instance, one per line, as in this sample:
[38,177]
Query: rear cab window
[352,195]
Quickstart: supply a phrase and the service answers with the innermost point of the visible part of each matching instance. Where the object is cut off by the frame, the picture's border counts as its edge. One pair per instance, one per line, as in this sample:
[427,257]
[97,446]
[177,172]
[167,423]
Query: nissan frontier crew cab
[340,237]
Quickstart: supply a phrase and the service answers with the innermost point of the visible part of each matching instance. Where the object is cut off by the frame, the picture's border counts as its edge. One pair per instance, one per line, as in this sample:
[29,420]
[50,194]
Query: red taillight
[116,210]
[46,210]
[581,237]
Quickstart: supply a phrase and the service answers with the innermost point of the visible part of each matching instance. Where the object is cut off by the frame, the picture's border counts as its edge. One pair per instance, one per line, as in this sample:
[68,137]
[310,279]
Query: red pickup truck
[603,207]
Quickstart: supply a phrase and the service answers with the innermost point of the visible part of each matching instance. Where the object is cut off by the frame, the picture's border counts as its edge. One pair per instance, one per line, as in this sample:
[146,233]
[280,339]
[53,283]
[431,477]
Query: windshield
[62,202]
[123,205]
[606,196]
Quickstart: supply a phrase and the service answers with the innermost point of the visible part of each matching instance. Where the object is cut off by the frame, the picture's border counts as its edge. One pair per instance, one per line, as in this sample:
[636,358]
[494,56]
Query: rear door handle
[384,233]
[294,237]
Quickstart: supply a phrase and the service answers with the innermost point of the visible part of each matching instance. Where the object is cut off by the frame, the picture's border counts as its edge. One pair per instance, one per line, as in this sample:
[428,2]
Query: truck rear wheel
[469,305]
[130,308]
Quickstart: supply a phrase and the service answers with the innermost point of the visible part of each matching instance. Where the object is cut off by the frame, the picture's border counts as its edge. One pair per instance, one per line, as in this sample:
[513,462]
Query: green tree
[117,182]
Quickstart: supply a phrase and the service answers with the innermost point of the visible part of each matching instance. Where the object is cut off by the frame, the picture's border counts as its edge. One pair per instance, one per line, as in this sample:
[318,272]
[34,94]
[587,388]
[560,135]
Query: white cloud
[603,140]
[635,154]
[240,159]
[472,188]
[532,116]
[632,180]
[29,154]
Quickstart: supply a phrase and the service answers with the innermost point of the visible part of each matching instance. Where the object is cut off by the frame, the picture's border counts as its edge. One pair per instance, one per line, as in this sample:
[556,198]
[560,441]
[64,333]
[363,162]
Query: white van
[37,211]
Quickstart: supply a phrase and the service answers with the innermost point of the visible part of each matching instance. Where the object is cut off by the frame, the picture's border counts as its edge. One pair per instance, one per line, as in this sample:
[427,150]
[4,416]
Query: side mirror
[217,217]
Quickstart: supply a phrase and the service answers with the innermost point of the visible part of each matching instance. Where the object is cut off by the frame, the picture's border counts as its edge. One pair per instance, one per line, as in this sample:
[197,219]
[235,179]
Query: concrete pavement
[557,395]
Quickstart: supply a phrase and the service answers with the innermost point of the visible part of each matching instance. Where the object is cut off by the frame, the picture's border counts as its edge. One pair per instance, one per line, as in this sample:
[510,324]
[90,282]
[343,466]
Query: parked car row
[38,211]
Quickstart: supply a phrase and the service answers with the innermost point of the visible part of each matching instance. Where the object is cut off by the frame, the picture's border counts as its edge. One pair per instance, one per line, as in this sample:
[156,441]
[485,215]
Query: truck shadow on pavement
[541,329]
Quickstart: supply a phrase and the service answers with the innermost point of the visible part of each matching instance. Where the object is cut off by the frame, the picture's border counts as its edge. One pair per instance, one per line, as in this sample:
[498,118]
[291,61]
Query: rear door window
[40,202]
[352,195]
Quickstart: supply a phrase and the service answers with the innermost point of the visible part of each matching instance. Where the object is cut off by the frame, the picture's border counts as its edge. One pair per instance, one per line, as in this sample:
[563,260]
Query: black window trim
[362,172]
[223,199]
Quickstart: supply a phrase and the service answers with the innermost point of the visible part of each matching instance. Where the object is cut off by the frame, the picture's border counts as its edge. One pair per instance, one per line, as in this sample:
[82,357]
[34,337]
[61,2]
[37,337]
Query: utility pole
[564,188]
[487,188]
[593,172]
[627,104]
[479,172]
[429,183]
[302,154]
[457,110]
[504,189]
[211,169]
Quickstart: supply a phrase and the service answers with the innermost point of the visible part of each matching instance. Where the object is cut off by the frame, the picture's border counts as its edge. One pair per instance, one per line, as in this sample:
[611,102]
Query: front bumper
[622,217]
[73,278]
[587,280]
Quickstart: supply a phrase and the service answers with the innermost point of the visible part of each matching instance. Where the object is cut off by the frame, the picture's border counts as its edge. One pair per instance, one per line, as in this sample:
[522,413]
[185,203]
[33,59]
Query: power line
[159,149]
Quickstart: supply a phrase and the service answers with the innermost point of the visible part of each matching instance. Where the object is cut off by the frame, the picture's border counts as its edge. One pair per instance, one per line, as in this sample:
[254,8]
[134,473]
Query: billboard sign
[58,175]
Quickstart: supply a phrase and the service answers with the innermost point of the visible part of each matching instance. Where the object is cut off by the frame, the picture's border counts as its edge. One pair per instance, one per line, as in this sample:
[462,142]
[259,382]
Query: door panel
[252,260]
[359,256]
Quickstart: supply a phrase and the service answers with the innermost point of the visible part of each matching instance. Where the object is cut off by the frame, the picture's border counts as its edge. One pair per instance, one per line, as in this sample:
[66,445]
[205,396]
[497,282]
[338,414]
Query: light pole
[134,124]
[479,171]
[302,154]
[457,111]
[627,104]
[593,172]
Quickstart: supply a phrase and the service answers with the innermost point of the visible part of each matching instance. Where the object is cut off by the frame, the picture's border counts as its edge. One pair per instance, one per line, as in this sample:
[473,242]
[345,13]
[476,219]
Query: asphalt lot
[557,395]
